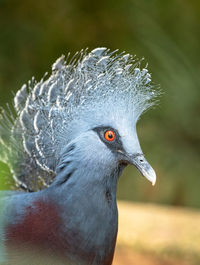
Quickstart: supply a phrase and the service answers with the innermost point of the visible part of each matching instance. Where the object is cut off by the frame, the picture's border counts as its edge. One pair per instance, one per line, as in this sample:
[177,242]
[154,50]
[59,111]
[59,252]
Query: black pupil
[110,135]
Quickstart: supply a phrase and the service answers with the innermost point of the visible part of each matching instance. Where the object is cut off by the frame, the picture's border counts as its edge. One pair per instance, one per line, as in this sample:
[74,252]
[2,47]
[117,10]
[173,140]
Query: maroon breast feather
[40,227]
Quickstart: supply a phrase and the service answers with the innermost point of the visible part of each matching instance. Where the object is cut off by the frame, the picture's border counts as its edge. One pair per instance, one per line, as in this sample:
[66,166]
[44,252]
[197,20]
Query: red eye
[109,135]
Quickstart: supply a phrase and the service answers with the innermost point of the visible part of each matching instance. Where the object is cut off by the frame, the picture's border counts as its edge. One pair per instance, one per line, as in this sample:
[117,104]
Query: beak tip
[153,178]
[153,182]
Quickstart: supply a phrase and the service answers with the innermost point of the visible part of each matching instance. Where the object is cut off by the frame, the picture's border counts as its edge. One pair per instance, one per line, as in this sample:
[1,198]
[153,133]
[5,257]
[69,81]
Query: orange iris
[109,135]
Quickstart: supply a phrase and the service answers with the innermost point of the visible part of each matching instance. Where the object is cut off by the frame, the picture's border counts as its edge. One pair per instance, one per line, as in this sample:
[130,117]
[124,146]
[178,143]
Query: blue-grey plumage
[73,135]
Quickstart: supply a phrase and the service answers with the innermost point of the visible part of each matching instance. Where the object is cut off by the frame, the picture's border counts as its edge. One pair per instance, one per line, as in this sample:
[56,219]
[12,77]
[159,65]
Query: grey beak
[142,165]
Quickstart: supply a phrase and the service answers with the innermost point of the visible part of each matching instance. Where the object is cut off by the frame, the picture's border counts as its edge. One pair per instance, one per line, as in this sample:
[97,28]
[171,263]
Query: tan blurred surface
[157,235]
[125,256]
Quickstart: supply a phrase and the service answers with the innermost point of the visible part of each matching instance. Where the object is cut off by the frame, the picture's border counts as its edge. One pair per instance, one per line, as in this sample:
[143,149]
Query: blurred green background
[167,33]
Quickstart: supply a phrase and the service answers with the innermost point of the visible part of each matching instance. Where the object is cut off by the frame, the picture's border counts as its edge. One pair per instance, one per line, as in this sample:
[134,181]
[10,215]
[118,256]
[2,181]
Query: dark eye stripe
[114,145]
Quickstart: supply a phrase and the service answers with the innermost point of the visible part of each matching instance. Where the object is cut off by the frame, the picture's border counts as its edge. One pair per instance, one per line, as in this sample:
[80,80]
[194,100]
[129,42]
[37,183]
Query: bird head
[85,112]
[106,141]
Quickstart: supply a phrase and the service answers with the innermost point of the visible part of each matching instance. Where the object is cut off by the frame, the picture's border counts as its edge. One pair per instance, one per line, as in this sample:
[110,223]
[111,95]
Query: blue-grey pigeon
[67,143]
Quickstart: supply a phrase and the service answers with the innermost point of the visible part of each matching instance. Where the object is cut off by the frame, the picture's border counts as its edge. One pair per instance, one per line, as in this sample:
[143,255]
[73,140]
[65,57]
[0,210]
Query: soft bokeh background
[167,33]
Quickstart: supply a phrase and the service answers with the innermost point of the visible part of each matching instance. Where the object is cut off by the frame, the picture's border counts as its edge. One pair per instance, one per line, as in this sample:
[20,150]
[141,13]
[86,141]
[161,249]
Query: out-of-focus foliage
[166,33]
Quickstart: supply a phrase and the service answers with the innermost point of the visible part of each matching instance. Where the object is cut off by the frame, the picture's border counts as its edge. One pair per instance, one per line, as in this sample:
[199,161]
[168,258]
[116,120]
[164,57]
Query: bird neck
[89,212]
